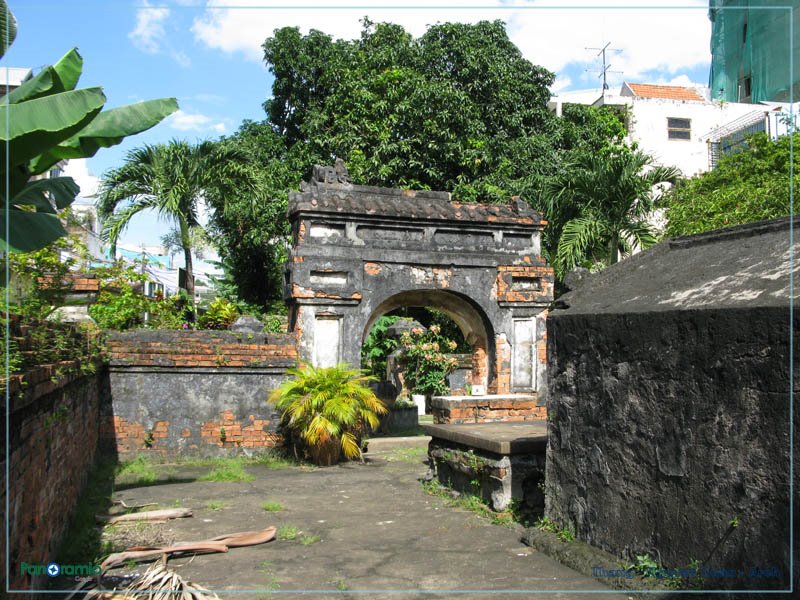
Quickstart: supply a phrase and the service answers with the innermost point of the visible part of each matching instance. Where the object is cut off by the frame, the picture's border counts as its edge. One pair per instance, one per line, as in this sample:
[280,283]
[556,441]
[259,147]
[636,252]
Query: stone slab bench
[487,409]
[495,461]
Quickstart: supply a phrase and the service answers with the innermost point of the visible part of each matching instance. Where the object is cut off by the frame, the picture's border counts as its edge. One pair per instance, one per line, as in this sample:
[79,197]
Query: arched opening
[471,322]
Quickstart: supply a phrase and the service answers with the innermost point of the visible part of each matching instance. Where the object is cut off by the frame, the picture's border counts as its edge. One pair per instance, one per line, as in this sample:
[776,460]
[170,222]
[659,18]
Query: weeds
[472,503]
[287,532]
[409,455]
[271,506]
[83,537]
[341,585]
[272,579]
[139,471]
[273,460]
[308,540]
[565,534]
[228,470]
[215,505]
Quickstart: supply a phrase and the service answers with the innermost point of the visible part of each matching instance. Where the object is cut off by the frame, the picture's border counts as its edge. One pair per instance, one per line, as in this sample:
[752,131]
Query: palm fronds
[329,408]
[157,583]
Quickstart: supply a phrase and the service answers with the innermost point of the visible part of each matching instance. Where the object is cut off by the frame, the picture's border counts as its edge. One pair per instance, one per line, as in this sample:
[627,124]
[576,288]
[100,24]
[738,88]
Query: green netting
[751,45]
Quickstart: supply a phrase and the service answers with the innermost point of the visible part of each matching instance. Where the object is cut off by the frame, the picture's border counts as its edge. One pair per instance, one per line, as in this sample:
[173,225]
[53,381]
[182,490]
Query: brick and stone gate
[360,252]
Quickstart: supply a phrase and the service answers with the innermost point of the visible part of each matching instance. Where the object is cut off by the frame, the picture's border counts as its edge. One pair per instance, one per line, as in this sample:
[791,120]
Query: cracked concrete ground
[363,531]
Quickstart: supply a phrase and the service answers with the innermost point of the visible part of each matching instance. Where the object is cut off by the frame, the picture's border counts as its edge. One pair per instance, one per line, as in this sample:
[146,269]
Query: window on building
[679,129]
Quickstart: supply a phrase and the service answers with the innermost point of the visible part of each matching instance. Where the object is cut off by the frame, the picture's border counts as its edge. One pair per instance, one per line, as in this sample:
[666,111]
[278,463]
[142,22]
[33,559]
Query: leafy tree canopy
[457,109]
[744,187]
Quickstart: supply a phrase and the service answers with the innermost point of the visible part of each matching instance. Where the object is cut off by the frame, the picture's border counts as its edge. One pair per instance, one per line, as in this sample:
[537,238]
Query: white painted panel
[326,231]
[327,334]
[328,277]
[523,370]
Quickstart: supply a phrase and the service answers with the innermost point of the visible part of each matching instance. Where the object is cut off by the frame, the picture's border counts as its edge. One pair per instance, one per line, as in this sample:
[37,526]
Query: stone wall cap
[745,266]
[335,197]
[500,438]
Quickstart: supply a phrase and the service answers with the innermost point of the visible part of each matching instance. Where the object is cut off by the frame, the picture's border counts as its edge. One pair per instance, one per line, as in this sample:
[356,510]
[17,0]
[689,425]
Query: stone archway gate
[359,252]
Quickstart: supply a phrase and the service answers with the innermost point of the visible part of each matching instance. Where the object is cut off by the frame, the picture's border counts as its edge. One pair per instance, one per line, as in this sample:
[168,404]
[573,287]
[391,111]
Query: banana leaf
[29,231]
[53,79]
[39,124]
[109,128]
[8,27]
[38,194]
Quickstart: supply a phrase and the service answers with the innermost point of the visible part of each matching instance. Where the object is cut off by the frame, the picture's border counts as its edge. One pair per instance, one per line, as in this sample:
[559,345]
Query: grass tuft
[227,469]
[139,471]
[409,455]
[272,506]
[287,532]
[308,540]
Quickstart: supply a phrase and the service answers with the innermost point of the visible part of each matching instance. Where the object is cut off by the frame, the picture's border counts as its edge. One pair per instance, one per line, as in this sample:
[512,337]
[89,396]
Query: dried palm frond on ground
[154,516]
[157,583]
[221,543]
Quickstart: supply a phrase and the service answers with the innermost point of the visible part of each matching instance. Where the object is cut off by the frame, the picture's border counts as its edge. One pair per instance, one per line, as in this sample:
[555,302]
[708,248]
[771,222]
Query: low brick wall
[194,392]
[487,409]
[54,425]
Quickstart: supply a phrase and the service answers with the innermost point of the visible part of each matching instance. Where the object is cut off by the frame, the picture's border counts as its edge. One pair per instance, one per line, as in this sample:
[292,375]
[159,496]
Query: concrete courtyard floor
[364,531]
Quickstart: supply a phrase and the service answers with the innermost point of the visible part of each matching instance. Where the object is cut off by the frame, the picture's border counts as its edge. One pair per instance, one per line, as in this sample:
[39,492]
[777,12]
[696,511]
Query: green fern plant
[327,411]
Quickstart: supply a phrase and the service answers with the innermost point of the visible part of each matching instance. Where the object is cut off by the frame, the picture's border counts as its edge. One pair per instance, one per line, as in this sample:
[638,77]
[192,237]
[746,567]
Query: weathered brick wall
[54,425]
[194,392]
[485,409]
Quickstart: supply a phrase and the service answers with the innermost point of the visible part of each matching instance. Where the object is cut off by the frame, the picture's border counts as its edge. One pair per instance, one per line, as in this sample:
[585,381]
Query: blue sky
[208,55]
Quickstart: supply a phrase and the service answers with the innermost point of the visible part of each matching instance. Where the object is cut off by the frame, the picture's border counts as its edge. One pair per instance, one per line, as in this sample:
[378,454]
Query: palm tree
[603,203]
[170,179]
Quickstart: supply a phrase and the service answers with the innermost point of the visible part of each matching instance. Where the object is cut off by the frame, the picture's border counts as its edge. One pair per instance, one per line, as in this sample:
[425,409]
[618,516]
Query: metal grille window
[679,129]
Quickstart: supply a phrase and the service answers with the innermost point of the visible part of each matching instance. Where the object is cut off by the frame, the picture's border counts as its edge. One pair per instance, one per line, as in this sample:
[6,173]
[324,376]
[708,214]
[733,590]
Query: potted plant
[326,411]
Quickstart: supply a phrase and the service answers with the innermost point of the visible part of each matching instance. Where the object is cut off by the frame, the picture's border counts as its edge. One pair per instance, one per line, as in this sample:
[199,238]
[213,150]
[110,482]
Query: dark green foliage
[745,187]
[378,346]
[457,109]
[119,306]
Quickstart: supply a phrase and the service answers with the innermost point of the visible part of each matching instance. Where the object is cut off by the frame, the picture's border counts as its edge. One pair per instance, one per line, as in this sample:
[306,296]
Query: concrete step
[387,444]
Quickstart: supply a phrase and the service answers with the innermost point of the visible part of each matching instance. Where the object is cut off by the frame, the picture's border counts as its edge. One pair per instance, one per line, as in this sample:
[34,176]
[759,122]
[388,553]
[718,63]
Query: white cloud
[683,80]
[245,26]
[183,121]
[652,39]
[149,31]
[562,82]
[78,169]
[554,35]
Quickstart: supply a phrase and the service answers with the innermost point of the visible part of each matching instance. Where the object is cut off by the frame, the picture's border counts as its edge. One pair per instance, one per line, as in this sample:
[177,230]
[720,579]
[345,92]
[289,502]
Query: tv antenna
[606,66]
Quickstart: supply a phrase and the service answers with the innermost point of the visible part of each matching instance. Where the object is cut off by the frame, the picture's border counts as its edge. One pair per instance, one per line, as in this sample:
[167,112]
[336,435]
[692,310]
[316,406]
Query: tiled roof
[667,92]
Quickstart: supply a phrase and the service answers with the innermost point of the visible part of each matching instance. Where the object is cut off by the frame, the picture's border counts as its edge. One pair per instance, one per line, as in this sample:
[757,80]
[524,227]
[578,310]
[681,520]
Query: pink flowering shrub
[425,362]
